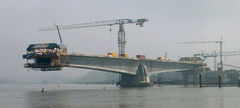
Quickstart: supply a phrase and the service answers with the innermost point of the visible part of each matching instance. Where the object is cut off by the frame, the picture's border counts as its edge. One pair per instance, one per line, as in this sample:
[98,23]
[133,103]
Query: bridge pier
[186,81]
[140,79]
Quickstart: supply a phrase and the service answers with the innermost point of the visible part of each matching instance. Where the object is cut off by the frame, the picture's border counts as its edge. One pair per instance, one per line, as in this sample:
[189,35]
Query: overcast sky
[170,21]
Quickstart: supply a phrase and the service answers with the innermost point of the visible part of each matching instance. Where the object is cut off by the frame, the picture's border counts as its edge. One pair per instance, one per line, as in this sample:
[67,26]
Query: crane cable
[231,66]
[110,39]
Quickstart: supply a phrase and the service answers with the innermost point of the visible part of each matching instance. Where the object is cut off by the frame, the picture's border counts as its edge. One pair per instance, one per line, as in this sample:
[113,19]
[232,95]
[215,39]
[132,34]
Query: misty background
[170,21]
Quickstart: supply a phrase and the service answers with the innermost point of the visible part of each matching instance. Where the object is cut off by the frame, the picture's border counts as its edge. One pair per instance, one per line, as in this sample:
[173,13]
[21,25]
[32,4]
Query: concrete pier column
[186,82]
[140,79]
[200,79]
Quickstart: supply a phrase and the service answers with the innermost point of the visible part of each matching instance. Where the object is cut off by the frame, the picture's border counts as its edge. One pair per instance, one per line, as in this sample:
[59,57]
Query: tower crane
[215,55]
[221,61]
[216,42]
[121,32]
[207,55]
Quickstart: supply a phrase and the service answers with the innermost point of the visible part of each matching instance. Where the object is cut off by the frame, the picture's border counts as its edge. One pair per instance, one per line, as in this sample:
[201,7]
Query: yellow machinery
[112,55]
[124,56]
[115,55]
[161,59]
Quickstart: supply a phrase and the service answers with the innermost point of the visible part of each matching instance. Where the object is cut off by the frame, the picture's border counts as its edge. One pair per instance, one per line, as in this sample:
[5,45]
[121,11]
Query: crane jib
[121,33]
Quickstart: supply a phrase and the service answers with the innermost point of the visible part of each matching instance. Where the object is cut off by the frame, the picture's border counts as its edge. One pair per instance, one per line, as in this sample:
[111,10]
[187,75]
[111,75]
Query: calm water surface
[94,96]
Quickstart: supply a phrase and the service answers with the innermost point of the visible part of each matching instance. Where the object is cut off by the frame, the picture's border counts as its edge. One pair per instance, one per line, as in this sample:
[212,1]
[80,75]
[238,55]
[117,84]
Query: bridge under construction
[133,72]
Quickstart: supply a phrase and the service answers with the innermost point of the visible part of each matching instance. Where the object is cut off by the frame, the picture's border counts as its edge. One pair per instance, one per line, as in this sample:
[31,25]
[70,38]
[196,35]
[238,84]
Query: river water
[95,96]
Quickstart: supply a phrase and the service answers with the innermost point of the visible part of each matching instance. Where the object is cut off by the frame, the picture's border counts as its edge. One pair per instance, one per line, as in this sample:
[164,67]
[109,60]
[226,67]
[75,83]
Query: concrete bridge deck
[128,66]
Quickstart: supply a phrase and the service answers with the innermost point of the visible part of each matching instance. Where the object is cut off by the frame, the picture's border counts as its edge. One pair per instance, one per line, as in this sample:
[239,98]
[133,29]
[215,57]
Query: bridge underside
[133,72]
[127,66]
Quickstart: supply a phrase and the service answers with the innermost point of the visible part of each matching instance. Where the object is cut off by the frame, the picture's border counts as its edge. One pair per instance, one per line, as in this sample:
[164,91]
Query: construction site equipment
[215,55]
[206,55]
[165,55]
[60,38]
[191,60]
[141,56]
[46,56]
[216,42]
[112,55]
[121,32]
[124,55]
[220,69]
[161,59]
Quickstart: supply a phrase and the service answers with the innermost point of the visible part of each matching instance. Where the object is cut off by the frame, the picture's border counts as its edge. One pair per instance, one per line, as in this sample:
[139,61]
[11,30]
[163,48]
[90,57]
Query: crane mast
[121,41]
[121,32]
[221,62]
[220,69]
[205,42]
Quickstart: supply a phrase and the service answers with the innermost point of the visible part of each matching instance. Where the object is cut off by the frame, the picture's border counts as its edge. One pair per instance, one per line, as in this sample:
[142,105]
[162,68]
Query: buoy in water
[104,88]
[42,90]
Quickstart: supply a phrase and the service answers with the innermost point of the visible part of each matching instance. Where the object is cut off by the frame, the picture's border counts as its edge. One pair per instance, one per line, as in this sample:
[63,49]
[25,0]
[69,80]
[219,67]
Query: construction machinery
[220,69]
[121,32]
[207,55]
[142,57]
[216,42]
[215,55]
[46,56]
[161,59]
[191,60]
[112,55]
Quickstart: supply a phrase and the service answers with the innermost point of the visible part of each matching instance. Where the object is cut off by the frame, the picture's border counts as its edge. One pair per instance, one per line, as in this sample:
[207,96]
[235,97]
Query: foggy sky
[170,21]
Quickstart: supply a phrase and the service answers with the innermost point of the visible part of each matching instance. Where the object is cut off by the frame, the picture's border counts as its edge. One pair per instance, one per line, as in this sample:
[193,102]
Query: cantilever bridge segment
[128,66]
[134,72]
